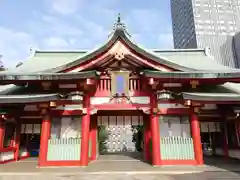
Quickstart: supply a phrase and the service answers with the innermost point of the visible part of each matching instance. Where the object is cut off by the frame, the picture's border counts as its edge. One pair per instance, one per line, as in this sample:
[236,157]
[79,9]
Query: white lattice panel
[120,131]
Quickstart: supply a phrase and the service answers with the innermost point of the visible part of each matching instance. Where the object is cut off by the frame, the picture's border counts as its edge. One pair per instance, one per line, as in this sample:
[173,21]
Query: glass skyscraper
[207,23]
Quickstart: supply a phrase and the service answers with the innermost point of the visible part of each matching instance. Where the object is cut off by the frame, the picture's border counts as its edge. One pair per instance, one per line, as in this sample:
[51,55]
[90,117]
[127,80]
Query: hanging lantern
[4,117]
[89,81]
[166,95]
[151,81]
[52,104]
[188,103]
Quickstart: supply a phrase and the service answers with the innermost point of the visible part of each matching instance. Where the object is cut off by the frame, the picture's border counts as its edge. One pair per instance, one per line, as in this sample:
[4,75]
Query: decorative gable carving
[119,50]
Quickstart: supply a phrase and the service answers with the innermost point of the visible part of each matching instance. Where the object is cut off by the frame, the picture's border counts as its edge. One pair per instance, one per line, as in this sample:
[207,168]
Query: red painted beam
[174,111]
[120,106]
[53,113]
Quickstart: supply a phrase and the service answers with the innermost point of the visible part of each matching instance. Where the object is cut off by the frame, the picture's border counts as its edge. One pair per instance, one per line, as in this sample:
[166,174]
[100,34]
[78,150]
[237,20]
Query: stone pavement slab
[113,165]
[124,176]
[102,167]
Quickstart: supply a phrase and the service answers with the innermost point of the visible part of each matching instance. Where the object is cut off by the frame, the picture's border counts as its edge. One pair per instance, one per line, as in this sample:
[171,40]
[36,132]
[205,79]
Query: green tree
[137,136]
[102,138]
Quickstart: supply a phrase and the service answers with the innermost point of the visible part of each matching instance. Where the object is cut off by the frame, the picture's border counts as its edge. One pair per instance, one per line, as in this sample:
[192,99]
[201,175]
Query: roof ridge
[179,50]
[61,51]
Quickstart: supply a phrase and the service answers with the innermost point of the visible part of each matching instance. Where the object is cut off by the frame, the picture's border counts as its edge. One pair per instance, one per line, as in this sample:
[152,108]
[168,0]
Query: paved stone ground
[115,167]
[207,176]
[124,176]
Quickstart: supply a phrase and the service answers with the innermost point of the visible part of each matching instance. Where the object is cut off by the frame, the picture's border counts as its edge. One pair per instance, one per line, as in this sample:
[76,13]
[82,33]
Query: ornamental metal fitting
[119,25]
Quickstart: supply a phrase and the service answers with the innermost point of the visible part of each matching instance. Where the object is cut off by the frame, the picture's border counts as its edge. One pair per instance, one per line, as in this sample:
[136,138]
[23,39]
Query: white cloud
[66,7]
[59,27]
[55,43]
[15,46]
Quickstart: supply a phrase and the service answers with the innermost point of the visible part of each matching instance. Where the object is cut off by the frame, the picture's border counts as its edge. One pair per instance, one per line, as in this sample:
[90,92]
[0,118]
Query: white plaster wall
[209,106]
[210,127]
[66,127]
[31,128]
[106,100]
[4,156]
[56,127]
[70,107]
[171,105]
[171,126]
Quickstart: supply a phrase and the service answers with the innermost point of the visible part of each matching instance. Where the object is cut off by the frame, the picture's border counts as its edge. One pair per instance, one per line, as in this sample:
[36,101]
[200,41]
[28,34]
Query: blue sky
[78,24]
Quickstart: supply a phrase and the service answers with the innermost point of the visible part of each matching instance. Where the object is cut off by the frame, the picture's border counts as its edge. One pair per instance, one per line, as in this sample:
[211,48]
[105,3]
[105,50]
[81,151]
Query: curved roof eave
[8,99]
[119,34]
[218,97]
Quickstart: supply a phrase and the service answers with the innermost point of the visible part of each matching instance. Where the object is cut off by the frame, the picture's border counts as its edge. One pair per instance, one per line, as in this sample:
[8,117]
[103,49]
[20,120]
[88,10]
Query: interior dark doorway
[121,132]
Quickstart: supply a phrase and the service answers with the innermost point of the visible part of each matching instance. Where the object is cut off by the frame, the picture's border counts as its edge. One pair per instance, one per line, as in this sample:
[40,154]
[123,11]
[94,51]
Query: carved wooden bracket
[84,110]
[145,110]
[93,111]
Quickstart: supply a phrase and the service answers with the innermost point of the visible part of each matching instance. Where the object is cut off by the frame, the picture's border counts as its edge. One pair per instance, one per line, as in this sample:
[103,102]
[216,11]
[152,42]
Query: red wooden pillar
[17,141]
[45,133]
[93,136]
[225,138]
[2,132]
[155,133]
[196,136]
[147,137]
[236,124]
[85,131]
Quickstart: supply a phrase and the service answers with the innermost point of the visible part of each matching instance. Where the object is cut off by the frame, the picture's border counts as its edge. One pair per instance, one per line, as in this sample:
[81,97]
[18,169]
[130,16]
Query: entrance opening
[30,140]
[120,135]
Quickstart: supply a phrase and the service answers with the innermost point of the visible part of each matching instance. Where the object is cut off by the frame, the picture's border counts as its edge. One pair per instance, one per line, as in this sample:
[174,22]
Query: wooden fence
[176,148]
[64,149]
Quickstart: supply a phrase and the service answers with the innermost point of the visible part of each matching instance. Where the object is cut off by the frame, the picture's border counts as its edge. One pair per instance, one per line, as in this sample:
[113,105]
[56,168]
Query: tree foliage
[137,137]
[102,138]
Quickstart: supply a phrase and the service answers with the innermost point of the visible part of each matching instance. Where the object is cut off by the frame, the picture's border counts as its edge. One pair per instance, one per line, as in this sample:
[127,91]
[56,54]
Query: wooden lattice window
[120,82]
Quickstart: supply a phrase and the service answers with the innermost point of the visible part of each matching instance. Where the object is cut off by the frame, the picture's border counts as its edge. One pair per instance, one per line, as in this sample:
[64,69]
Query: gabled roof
[198,59]
[40,61]
[212,97]
[193,74]
[46,76]
[186,60]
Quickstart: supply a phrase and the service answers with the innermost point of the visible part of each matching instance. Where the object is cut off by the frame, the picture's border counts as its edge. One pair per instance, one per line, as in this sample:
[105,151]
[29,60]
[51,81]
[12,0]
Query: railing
[135,85]
[176,148]
[64,149]
[104,85]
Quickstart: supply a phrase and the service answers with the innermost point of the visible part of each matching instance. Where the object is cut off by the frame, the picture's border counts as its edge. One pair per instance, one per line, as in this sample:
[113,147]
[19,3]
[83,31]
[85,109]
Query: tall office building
[207,23]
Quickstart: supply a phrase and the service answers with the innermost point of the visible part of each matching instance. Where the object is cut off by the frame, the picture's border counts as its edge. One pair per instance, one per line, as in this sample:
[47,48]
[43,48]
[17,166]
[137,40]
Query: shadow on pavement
[223,164]
[207,176]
